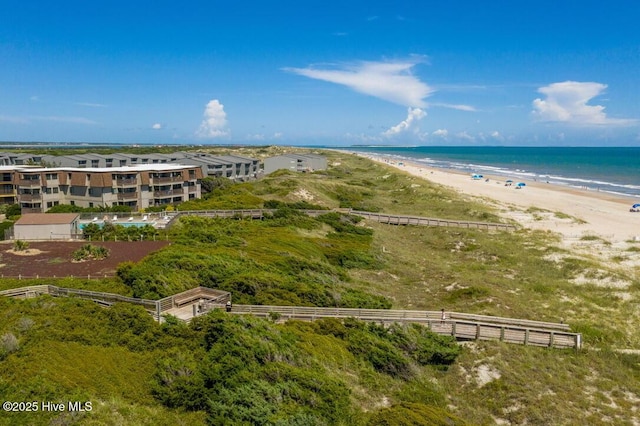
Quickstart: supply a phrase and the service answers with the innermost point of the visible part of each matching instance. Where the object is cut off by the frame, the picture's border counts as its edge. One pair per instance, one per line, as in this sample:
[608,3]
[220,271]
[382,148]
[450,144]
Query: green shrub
[20,245]
[405,414]
[90,252]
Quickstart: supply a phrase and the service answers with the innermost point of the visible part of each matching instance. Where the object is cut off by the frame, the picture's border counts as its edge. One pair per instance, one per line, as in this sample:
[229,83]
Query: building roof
[46,218]
[165,167]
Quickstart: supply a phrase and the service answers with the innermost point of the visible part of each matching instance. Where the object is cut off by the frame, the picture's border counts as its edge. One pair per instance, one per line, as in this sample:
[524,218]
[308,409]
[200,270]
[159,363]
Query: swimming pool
[125,223]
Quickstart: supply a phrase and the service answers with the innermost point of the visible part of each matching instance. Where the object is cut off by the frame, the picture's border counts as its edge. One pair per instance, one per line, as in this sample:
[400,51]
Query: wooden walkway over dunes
[157,308]
[199,300]
[390,219]
[460,325]
[426,221]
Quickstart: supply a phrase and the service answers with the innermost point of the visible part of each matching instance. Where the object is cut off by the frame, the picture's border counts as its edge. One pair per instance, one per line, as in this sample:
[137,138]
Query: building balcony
[127,195]
[30,197]
[30,183]
[31,210]
[166,179]
[168,193]
[127,182]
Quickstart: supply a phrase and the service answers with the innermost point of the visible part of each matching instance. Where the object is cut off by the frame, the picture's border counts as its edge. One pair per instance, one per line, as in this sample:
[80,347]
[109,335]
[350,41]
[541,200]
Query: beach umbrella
[635,206]
[509,181]
[521,184]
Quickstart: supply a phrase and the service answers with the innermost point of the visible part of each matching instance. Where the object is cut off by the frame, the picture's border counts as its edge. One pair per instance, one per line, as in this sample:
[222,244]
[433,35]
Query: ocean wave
[616,188]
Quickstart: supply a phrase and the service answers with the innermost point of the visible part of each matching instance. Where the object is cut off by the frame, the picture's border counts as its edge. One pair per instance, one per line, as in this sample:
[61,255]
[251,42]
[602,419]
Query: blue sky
[321,72]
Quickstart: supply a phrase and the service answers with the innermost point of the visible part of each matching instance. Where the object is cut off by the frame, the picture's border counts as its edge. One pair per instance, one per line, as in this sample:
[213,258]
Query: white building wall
[43,232]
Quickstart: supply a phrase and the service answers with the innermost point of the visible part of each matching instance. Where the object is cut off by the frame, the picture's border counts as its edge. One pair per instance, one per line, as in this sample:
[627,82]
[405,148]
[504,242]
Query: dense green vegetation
[223,369]
[220,368]
[287,258]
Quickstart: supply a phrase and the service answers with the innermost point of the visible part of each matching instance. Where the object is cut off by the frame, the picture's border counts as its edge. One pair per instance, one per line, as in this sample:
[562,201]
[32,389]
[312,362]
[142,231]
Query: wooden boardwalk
[166,306]
[200,300]
[460,325]
[396,219]
[390,219]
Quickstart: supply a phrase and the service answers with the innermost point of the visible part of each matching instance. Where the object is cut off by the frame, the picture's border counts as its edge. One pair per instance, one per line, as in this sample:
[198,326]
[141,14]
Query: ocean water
[613,170]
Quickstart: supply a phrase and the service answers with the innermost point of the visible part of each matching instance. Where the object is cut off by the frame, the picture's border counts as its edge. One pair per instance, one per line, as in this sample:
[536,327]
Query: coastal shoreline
[572,212]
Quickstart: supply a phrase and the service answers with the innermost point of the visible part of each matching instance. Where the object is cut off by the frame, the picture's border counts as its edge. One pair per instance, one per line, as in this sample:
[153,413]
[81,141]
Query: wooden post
[453,328]
[477,331]
[502,334]
[551,339]
[526,337]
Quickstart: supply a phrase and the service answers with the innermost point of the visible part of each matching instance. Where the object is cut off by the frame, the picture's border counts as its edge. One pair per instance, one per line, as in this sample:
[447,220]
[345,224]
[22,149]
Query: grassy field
[135,371]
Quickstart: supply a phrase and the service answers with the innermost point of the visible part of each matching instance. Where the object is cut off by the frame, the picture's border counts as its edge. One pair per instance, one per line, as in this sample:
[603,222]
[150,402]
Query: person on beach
[443,317]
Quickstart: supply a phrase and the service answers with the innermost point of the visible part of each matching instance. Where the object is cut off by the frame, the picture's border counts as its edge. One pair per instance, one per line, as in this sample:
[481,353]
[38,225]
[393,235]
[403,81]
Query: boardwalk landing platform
[200,300]
[180,305]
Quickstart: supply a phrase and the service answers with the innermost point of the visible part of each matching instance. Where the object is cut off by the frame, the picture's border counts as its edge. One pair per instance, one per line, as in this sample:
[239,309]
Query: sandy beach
[571,212]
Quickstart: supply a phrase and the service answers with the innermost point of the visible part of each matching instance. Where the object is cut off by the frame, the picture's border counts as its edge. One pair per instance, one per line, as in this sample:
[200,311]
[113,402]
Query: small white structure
[295,163]
[46,226]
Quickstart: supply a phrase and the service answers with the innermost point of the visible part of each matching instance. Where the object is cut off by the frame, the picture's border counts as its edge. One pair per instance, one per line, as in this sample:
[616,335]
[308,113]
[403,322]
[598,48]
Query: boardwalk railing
[391,219]
[155,307]
[460,325]
[394,219]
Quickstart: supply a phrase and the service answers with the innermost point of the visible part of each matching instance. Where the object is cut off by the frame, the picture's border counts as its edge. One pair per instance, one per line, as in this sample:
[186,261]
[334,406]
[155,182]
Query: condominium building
[138,187]
[233,167]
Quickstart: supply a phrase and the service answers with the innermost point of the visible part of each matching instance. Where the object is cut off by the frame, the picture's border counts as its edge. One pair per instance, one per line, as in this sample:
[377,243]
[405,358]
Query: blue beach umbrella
[509,181]
[521,184]
[635,206]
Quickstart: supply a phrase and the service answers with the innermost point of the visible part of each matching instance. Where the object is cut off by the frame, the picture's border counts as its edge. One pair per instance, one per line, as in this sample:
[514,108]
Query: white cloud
[409,124]
[157,126]
[459,107]
[465,136]
[90,104]
[214,124]
[496,135]
[13,119]
[75,120]
[443,133]
[391,81]
[566,102]
[263,137]
[56,119]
